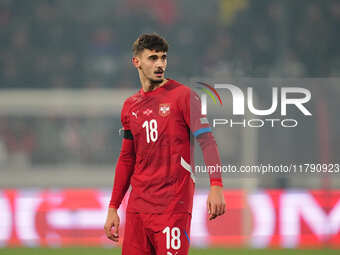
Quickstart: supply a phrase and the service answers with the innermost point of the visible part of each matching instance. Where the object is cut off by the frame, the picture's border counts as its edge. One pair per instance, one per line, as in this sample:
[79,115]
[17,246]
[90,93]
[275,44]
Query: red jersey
[161,124]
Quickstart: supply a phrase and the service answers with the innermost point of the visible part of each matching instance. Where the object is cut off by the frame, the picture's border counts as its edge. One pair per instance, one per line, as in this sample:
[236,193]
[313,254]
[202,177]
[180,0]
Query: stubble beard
[153,83]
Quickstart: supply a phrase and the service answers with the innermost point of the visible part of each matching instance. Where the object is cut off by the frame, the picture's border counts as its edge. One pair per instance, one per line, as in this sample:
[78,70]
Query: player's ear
[135,61]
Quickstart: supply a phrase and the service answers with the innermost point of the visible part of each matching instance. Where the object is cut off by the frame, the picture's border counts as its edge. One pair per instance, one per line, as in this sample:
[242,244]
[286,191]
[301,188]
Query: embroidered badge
[164,109]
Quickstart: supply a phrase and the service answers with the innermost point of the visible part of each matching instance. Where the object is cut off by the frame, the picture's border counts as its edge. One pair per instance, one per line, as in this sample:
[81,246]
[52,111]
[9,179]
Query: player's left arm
[215,203]
[201,130]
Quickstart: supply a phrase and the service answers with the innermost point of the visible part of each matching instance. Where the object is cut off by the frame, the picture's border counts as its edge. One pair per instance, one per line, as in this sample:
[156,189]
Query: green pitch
[109,251]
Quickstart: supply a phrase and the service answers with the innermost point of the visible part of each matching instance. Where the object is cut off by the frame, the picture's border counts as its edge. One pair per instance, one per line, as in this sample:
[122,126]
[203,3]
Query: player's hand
[215,202]
[112,221]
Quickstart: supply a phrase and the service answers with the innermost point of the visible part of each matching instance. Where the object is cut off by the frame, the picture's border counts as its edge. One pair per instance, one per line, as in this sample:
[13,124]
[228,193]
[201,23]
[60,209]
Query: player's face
[152,64]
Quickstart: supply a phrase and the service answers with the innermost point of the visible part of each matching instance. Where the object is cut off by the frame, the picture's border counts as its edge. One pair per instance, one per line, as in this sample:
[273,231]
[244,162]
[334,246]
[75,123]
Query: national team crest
[164,109]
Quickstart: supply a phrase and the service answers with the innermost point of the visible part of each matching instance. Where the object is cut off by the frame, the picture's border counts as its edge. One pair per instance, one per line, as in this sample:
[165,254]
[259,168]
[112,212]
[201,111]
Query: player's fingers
[108,233]
[106,229]
[217,209]
[209,207]
[116,230]
[221,209]
[115,239]
[213,210]
[111,236]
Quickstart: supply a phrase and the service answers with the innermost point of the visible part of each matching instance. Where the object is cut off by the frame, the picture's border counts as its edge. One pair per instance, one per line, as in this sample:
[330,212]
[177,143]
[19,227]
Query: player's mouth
[159,73]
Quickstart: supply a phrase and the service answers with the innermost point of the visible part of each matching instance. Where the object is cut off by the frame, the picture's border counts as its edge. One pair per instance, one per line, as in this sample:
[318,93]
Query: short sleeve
[125,118]
[197,122]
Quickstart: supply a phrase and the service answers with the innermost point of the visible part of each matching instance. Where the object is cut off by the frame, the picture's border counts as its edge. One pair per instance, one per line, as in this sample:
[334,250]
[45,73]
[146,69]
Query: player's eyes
[153,57]
[164,57]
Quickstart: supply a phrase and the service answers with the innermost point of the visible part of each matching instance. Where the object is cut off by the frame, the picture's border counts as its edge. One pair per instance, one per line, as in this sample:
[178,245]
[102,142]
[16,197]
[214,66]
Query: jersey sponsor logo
[164,109]
[147,112]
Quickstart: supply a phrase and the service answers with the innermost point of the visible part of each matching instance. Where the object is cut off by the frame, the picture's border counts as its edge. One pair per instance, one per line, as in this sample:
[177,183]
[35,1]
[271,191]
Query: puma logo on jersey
[134,114]
[164,109]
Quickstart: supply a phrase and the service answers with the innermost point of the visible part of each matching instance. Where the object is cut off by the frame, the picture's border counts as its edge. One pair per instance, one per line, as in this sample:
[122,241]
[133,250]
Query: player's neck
[147,85]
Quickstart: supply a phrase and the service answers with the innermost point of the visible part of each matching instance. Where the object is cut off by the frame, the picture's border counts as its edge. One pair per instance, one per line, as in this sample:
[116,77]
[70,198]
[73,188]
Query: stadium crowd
[82,44]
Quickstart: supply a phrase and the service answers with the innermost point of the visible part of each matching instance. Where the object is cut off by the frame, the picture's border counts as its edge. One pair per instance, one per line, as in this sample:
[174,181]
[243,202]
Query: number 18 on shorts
[157,234]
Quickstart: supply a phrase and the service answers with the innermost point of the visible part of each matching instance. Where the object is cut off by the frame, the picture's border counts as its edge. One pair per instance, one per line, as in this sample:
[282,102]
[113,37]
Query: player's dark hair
[151,42]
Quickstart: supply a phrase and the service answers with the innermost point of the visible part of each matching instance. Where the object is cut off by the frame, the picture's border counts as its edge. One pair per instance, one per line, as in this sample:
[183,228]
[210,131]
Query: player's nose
[159,64]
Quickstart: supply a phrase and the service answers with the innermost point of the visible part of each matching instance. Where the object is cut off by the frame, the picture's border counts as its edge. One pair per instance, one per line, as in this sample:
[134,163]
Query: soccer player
[156,159]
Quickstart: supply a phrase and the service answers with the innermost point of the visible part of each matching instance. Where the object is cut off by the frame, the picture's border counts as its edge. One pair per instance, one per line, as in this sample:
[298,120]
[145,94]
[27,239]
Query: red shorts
[157,234]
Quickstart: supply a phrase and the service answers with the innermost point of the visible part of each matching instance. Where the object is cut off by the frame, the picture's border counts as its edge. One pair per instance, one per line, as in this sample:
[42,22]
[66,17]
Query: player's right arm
[123,172]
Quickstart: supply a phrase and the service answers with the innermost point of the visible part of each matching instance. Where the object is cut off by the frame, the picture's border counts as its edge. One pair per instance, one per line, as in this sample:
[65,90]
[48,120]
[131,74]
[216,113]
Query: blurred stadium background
[65,71]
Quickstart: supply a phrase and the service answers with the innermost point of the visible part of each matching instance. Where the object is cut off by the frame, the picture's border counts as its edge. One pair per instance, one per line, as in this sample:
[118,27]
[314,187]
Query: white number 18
[174,240]
[151,130]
